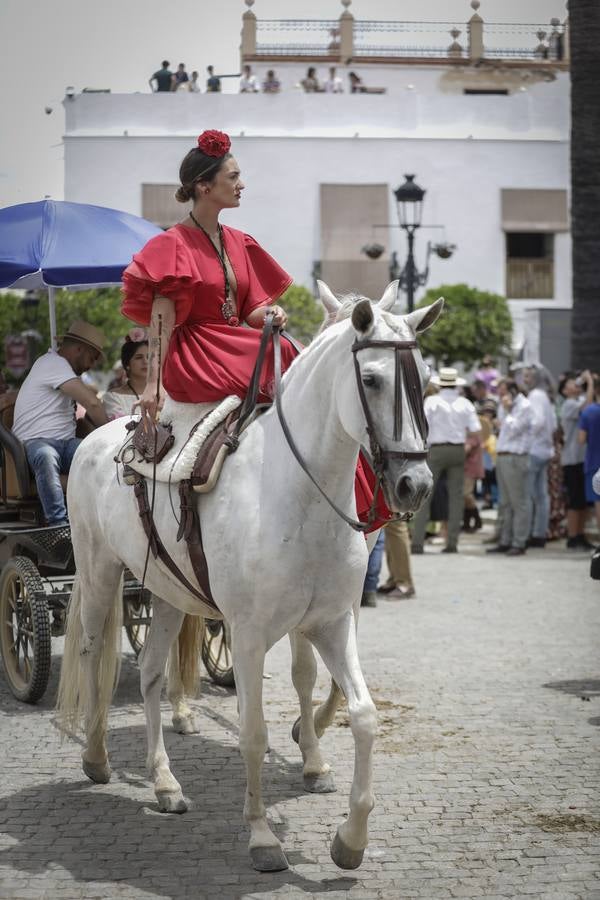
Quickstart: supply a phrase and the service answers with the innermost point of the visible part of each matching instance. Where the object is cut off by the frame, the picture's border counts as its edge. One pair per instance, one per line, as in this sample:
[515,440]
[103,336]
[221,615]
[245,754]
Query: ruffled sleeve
[266,279]
[163,267]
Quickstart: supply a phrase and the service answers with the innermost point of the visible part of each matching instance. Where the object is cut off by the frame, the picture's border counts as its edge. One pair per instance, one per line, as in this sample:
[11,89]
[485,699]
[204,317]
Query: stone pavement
[486,768]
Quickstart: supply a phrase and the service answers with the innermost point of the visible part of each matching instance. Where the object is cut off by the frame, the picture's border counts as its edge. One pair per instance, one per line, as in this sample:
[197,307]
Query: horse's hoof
[343,856]
[268,859]
[320,784]
[185,725]
[172,802]
[99,773]
[296,731]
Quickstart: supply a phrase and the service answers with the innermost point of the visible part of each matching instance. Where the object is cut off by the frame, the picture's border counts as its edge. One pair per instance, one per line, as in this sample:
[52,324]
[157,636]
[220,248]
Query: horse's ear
[331,303]
[363,317]
[422,319]
[389,297]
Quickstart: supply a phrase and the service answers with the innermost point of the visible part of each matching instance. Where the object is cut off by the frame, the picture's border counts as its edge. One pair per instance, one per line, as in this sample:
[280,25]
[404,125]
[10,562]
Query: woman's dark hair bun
[182,194]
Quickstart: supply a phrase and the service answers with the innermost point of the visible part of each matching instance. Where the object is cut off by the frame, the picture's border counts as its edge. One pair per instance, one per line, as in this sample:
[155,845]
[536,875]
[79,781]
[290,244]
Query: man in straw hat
[45,412]
[452,420]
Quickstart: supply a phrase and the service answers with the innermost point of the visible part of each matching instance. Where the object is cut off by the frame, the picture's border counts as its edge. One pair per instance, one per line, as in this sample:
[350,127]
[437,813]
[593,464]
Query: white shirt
[117,405]
[543,425]
[42,410]
[450,417]
[515,428]
[248,84]
[334,85]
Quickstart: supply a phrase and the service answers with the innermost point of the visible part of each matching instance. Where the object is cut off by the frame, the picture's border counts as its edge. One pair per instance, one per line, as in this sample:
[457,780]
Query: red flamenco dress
[209,358]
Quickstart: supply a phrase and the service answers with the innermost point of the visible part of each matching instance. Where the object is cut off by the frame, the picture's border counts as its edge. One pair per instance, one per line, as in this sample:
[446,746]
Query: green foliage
[304,312]
[100,307]
[472,324]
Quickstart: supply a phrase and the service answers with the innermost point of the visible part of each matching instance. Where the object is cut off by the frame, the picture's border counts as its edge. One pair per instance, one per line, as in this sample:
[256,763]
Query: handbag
[152,443]
[595,565]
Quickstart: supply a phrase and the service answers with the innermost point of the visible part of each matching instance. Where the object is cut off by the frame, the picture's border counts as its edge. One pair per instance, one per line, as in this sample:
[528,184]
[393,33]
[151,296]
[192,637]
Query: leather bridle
[406,371]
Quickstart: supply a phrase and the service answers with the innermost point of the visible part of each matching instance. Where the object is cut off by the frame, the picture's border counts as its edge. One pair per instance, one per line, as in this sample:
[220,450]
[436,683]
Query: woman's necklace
[228,308]
[131,388]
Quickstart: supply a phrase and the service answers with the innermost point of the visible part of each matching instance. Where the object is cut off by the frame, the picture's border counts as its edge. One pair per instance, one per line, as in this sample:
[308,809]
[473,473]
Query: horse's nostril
[404,486]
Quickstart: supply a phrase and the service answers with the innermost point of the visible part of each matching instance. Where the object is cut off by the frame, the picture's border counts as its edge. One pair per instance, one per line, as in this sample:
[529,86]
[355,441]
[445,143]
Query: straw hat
[447,377]
[86,334]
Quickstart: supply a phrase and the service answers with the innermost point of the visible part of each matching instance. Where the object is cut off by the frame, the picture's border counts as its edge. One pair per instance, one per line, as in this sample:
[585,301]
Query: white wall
[463,149]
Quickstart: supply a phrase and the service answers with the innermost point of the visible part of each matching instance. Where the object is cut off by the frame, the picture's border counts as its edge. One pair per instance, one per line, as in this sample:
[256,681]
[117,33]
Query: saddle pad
[177,465]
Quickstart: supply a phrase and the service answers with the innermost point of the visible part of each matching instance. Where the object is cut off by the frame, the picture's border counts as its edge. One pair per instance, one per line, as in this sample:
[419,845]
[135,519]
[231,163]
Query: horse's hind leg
[336,642]
[316,774]
[249,650]
[186,644]
[166,622]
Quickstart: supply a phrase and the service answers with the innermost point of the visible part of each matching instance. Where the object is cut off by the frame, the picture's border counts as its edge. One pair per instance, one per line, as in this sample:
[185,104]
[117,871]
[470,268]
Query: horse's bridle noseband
[405,365]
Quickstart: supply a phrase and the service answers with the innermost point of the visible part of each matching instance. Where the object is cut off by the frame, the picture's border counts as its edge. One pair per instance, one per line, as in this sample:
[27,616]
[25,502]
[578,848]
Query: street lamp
[409,200]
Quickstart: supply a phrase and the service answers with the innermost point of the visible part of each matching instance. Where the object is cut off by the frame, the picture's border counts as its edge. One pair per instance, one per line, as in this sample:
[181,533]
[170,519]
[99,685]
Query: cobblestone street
[486,766]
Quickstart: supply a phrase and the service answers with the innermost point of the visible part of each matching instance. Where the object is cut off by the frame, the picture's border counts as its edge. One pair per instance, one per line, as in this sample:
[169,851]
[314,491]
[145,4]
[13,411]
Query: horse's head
[380,391]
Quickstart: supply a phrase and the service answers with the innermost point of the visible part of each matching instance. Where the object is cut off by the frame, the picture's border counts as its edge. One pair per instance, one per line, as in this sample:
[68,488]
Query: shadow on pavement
[98,834]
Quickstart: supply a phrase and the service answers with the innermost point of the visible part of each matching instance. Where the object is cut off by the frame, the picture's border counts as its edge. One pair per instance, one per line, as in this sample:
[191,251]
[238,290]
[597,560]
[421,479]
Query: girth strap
[194,539]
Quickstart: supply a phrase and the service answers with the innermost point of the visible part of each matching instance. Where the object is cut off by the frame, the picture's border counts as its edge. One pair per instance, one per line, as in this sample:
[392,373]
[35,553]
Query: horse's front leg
[166,622]
[316,773]
[249,651]
[336,642]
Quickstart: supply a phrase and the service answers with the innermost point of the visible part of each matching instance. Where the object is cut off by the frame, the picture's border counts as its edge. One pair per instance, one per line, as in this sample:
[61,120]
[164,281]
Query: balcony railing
[530,279]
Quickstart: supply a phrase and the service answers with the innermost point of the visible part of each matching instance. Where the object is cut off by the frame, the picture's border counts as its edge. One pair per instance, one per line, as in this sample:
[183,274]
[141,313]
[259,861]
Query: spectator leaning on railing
[271,84]
[163,79]
[248,83]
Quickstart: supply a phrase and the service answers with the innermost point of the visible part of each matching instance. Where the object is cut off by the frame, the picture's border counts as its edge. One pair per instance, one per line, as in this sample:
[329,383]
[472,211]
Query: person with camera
[578,393]
[512,468]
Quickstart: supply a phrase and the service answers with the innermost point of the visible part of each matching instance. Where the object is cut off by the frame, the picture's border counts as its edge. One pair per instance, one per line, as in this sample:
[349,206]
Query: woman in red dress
[203,280]
[194,286]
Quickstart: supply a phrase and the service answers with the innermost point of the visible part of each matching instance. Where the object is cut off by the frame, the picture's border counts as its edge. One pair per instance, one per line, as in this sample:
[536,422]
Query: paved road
[486,770]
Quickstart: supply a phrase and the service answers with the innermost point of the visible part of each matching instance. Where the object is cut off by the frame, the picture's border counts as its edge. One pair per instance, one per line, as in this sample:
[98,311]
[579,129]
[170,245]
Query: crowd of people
[166,81]
[519,443]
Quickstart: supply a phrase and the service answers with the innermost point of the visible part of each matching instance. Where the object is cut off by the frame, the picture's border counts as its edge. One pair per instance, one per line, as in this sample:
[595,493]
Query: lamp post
[409,200]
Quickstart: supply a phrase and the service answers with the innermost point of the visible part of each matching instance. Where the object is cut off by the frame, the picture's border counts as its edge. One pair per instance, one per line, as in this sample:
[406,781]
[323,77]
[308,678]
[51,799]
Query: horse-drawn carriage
[36,578]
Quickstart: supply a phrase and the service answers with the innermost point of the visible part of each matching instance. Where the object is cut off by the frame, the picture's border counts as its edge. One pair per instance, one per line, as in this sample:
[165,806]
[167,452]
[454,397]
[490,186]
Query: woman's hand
[279,316]
[150,405]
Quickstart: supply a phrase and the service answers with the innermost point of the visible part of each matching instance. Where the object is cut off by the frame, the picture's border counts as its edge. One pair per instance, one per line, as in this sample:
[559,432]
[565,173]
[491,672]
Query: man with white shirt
[44,418]
[541,451]
[452,419]
[334,84]
[512,470]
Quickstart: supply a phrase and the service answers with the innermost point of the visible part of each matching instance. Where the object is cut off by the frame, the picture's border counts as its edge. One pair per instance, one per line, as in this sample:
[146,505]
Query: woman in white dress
[134,357]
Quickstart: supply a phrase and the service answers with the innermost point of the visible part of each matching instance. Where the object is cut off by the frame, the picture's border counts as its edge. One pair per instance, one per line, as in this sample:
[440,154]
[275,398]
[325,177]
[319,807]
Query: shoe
[536,542]
[369,598]
[477,523]
[450,550]
[416,549]
[583,542]
[516,551]
[401,593]
[386,588]
[501,548]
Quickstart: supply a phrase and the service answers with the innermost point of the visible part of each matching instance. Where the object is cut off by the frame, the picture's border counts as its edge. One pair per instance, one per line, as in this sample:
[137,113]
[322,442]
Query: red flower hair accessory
[214,143]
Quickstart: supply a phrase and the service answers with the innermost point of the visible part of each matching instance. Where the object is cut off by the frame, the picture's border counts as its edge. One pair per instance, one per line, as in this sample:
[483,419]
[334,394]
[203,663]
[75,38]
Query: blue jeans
[538,493]
[374,567]
[50,458]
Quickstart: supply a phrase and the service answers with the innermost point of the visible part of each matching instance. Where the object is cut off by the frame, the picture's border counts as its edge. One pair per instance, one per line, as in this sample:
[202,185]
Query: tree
[472,324]
[584,26]
[305,314]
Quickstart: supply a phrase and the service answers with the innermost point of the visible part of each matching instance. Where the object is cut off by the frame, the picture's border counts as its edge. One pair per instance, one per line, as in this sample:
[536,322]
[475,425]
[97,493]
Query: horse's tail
[190,639]
[72,705]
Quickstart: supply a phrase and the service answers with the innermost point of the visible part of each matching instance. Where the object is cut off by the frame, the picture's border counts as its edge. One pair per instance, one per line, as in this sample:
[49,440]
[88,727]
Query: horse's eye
[369,380]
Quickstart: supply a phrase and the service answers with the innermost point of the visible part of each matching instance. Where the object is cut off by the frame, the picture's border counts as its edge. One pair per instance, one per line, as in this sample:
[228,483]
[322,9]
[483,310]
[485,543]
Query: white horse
[280,559]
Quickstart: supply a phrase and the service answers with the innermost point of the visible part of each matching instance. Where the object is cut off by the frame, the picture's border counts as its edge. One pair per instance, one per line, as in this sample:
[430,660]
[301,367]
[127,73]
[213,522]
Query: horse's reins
[405,365]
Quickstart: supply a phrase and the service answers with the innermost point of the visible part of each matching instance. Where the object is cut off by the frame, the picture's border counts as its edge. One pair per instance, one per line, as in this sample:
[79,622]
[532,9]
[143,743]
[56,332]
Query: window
[529,265]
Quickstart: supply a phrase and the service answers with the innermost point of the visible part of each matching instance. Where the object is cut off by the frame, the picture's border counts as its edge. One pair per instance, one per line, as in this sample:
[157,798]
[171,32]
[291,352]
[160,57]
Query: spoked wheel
[138,618]
[25,640]
[216,653]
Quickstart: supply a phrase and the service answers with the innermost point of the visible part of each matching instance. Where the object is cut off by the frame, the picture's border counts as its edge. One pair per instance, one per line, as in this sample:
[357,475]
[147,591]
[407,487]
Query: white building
[483,125]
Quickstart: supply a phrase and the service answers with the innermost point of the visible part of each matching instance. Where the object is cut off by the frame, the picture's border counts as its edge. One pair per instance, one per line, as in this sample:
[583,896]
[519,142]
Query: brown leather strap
[160,551]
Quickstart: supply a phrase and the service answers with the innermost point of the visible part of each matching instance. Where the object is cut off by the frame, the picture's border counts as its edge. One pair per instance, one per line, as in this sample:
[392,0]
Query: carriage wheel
[24,629]
[138,618]
[216,653]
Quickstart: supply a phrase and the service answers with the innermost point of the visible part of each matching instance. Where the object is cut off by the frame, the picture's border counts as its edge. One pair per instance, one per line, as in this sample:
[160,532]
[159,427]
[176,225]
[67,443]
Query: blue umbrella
[52,244]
